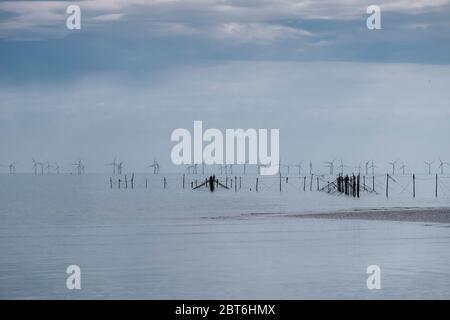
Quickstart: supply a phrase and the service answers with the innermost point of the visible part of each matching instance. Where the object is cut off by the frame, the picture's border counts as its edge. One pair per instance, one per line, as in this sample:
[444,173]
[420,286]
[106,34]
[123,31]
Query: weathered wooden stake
[318,184]
[183,180]
[311,182]
[256,184]
[165,182]
[414,185]
[110,182]
[436,185]
[235,184]
[387,185]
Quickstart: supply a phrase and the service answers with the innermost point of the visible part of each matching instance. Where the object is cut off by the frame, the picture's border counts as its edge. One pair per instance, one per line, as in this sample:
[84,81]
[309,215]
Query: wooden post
[146,183]
[311,182]
[132,181]
[256,184]
[280,181]
[364,183]
[165,182]
[126,182]
[240,182]
[387,185]
[235,184]
[183,180]
[328,186]
[110,182]
[358,181]
[436,185]
[373,183]
[119,183]
[414,185]
[304,183]
[226,181]
[318,185]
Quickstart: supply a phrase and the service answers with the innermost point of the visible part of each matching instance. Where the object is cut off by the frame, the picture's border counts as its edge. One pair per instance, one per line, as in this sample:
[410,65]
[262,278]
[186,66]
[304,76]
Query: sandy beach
[431,215]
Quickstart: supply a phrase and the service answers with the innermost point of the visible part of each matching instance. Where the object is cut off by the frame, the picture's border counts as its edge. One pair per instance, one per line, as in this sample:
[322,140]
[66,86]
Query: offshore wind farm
[323,173]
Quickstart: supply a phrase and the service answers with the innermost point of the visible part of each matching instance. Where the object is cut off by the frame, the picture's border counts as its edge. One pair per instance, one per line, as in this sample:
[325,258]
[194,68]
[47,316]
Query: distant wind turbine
[155,166]
[57,167]
[120,168]
[299,166]
[35,165]
[12,168]
[114,165]
[429,164]
[330,165]
[393,163]
[442,165]
[403,167]
[48,167]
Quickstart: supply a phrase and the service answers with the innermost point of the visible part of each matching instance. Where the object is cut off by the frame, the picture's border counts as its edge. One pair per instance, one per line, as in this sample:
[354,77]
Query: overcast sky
[139,69]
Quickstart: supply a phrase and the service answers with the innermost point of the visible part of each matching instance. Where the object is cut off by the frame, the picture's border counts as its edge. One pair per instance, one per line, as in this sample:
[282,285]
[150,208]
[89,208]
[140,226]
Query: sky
[139,69]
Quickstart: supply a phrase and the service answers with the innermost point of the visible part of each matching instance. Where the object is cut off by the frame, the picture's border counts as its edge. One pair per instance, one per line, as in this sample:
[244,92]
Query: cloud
[251,15]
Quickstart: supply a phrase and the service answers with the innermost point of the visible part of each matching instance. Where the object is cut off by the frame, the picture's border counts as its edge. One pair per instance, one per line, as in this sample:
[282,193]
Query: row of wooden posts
[236,184]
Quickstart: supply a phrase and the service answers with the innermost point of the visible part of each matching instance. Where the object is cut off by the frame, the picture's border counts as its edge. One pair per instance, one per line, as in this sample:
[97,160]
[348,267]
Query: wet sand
[431,215]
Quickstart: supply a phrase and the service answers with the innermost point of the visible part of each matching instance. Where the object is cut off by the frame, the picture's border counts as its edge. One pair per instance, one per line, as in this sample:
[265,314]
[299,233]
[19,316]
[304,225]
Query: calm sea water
[175,243]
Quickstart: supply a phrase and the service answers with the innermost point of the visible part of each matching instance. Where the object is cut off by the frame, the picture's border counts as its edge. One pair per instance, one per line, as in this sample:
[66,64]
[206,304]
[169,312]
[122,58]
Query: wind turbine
[57,167]
[299,166]
[35,164]
[330,164]
[429,164]
[155,167]
[12,168]
[288,168]
[259,166]
[341,167]
[373,166]
[367,165]
[48,167]
[403,167]
[393,163]
[114,165]
[41,164]
[245,164]
[442,165]
[359,167]
[120,168]
[80,167]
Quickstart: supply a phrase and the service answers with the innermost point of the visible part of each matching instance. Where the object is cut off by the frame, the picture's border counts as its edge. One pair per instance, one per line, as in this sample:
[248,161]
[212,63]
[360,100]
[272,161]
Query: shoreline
[431,215]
